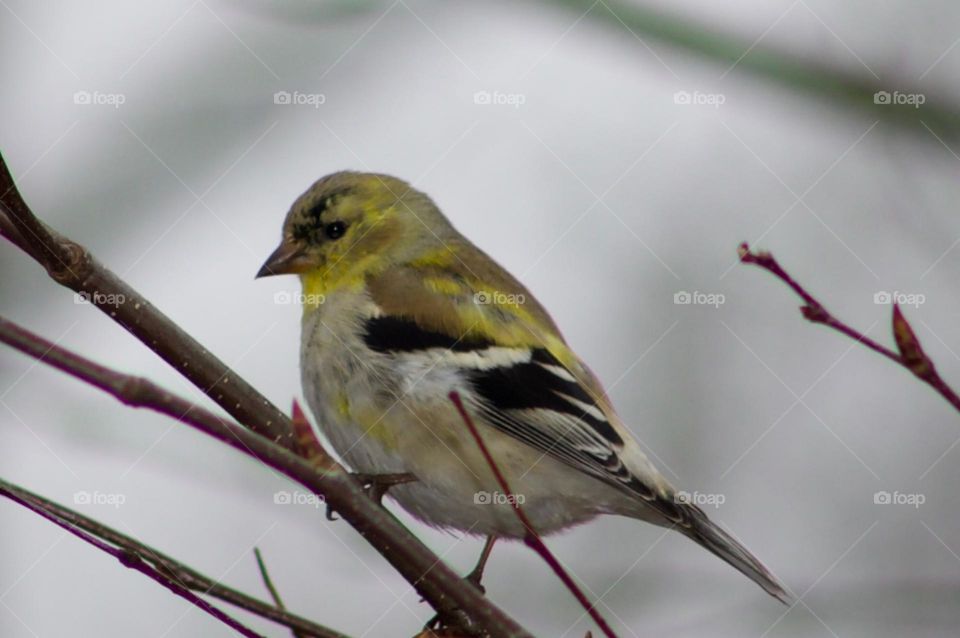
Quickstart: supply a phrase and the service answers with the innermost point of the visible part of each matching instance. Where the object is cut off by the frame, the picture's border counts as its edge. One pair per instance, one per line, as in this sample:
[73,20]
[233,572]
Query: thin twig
[909,353]
[531,537]
[268,583]
[447,593]
[131,559]
[164,566]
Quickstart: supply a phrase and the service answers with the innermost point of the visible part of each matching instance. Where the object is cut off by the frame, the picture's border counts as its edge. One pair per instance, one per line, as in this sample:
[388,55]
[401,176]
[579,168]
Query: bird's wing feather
[541,394]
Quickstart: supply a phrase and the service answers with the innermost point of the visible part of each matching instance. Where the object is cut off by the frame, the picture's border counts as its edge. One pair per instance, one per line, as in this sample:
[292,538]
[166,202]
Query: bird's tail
[711,536]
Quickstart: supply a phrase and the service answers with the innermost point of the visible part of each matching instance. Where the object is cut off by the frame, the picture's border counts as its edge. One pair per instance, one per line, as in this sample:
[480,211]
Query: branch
[449,595]
[268,583]
[857,92]
[132,559]
[531,538]
[165,569]
[909,353]
[73,266]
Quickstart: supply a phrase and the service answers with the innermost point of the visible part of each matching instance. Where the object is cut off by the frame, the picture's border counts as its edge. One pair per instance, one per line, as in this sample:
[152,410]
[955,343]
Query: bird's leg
[473,577]
[477,572]
[376,485]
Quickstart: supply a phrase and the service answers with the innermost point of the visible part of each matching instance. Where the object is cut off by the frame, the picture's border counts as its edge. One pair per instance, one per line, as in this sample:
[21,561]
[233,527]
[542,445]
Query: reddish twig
[909,354]
[164,566]
[531,538]
[135,561]
[437,583]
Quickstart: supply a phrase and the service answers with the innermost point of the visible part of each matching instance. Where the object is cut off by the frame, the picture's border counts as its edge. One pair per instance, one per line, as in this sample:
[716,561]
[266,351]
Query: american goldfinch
[400,309]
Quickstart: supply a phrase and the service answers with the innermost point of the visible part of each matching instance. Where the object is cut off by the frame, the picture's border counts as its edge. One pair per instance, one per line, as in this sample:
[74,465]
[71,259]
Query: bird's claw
[375,486]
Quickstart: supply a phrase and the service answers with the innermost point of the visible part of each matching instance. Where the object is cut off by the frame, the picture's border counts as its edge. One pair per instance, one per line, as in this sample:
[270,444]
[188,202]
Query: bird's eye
[335,230]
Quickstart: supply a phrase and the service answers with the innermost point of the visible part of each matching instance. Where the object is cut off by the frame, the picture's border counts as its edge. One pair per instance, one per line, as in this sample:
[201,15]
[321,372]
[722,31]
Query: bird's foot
[376,485]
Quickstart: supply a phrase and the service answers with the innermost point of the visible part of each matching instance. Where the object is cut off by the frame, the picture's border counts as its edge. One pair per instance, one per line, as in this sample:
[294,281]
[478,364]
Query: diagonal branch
[532,537]
[271,437]
[909,354]
[72,265]
[449,595]
[128,558]
[162,568]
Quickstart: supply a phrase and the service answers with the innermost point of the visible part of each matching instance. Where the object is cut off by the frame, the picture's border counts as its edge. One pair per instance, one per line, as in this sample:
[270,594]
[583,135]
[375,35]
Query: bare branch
[450,596]
[128,556]
[73,266]
[909,355]
[164,567]
[532,537]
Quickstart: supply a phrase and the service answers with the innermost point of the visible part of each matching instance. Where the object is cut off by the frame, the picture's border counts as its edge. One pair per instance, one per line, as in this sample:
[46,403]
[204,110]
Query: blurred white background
[553,135]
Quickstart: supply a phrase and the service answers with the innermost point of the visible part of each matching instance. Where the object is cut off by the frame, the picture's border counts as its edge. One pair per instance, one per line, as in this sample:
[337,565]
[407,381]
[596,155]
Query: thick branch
[72,265]
[432,579]
[164,568]
[450,595]
[909,355]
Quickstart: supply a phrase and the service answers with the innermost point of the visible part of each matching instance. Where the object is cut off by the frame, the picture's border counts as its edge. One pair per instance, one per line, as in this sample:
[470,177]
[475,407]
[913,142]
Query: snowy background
[559,138]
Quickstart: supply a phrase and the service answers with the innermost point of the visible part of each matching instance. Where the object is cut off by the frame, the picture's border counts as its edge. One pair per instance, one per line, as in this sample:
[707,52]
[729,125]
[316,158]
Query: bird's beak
[287,259]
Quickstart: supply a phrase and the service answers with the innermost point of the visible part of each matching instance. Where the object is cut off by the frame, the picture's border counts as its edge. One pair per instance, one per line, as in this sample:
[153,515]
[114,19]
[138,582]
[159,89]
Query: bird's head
[347,225]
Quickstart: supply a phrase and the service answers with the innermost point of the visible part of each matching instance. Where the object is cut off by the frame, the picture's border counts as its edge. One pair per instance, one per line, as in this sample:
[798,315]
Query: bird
[399,311]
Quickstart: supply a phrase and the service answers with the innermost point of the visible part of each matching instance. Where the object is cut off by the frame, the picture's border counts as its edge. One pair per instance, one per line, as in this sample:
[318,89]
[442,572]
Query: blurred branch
[531,538]
[169,572]
[909,355]
[812,79]
[271,437]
